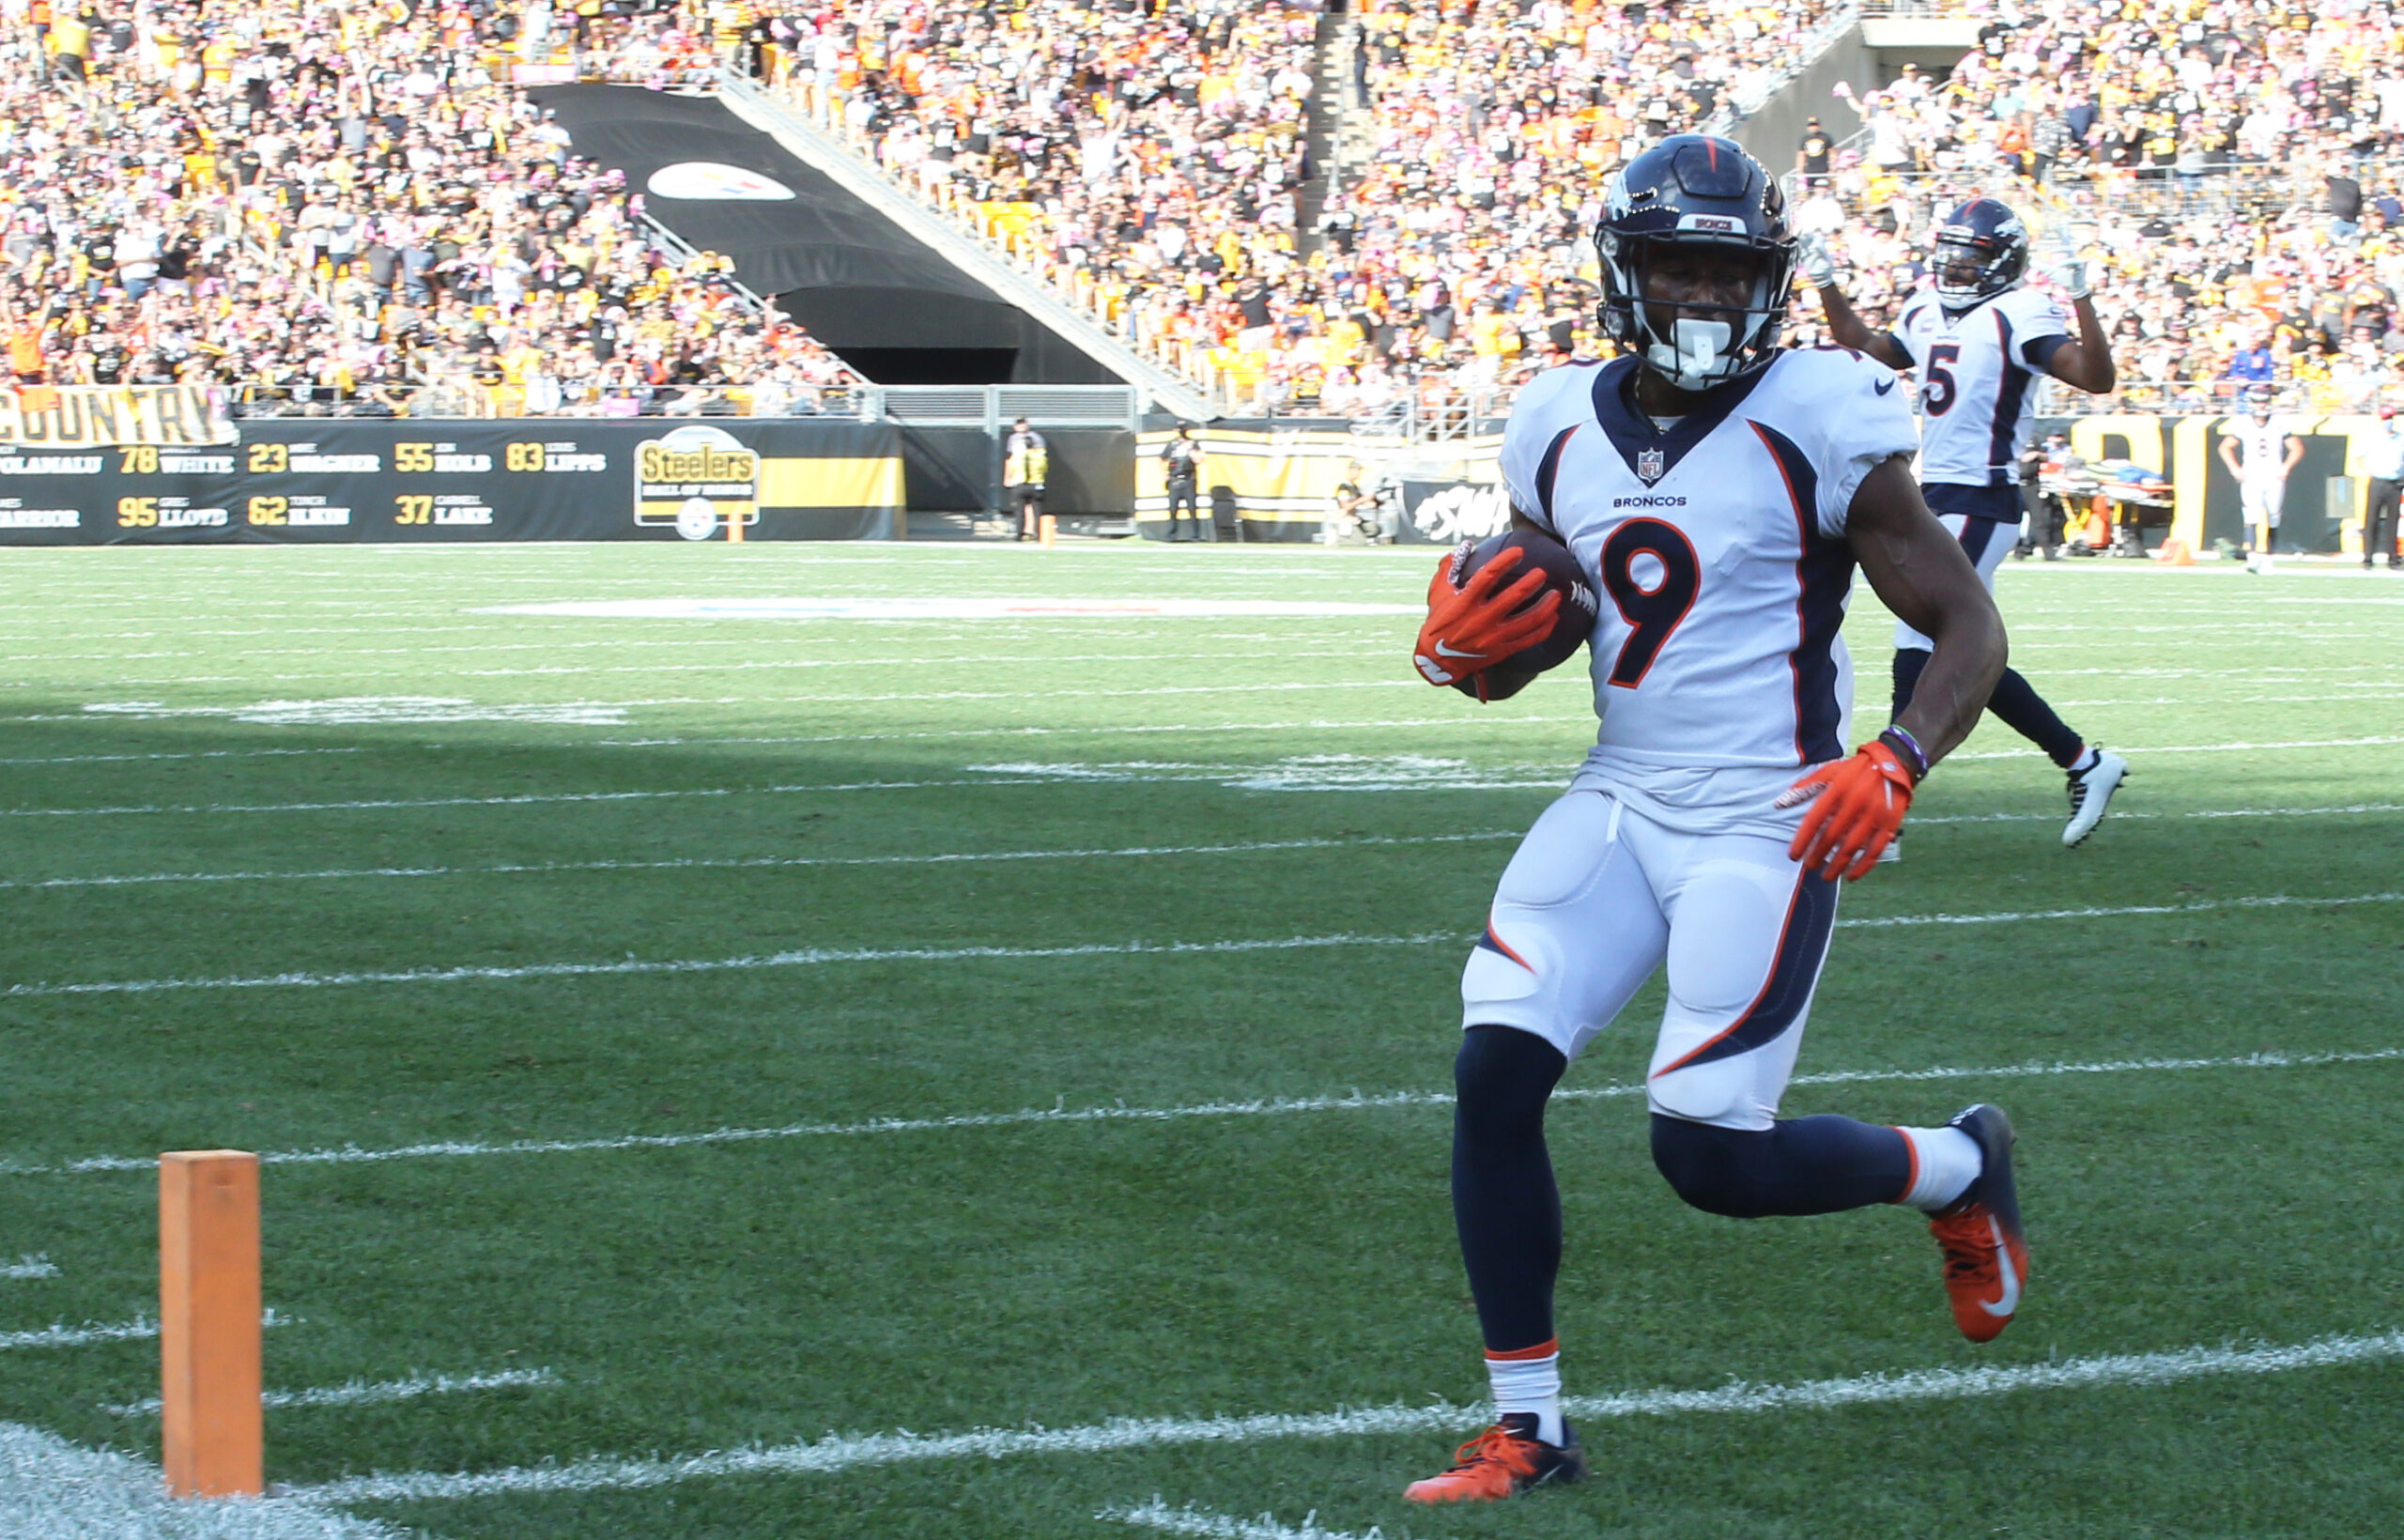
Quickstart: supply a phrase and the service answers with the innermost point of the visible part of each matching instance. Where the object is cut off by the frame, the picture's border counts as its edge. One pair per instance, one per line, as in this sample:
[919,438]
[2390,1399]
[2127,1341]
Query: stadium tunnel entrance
[882,300]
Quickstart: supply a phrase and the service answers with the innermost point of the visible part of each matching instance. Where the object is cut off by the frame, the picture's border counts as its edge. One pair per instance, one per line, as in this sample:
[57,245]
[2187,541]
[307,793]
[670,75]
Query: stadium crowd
[328,204]
[353,208]
[1151,164]
[2230,170]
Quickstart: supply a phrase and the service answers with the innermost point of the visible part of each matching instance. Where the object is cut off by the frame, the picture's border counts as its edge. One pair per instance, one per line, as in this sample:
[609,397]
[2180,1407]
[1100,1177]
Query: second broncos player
[1978,343]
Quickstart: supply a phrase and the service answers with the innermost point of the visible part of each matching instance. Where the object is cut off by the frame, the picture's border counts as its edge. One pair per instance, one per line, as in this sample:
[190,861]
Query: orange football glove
[1471,626]
[1857,806]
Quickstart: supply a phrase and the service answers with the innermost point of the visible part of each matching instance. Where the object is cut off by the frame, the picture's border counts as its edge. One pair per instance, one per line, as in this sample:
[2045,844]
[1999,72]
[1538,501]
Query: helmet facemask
[1982,251]
[1698,344]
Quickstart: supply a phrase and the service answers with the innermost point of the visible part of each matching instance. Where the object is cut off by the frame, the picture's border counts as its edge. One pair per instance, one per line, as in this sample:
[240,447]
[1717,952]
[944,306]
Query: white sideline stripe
[949,857]
[2348,810]
[742,862]
[1205,1525]
[1582,719]
[197,754]
[29,1267]
[2271,900]
[829,1455]
[1028,775]
[1119,1113]
[2199,748]
[822,956]
[139,1329]
[360,1393]
[850,699]
[520,799]
[50,1489]
[802,957]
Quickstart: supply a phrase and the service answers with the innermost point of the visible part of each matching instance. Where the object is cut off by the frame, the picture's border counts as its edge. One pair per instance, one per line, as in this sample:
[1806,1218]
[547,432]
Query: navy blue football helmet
[1695,190]
[1982,251]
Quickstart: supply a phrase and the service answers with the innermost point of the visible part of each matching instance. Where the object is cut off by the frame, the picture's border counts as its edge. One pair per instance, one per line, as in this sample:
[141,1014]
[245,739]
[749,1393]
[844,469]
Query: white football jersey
[2262,447]
[1977,372]
[1717,547]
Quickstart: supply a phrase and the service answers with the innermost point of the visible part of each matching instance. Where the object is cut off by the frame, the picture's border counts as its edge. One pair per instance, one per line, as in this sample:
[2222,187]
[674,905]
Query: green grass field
[687,1020]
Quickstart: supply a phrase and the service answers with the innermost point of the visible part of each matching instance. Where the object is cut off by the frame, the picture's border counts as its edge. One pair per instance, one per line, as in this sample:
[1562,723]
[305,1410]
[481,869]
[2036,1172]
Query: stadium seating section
[1378,213]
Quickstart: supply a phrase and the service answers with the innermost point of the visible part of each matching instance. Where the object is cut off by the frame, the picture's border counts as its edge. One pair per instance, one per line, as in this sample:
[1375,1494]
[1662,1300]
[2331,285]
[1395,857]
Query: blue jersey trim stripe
[2014,389]
[1822,576]
[1802,946]
[1548,468]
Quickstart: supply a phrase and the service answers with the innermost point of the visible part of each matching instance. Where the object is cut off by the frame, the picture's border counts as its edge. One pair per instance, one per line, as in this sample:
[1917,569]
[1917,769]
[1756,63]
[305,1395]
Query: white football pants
[1599,896]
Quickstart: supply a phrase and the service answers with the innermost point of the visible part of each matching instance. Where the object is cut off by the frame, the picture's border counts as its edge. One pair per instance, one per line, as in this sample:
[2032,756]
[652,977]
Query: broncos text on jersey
[1717,542]
[1976,369]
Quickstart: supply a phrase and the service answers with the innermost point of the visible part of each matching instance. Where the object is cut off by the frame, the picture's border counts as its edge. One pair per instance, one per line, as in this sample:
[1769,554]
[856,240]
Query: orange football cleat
[1506,1459]
[1986,1256]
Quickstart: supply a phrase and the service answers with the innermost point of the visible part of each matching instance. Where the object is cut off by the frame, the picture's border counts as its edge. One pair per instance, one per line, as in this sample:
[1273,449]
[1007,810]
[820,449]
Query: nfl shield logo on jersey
[1648,466]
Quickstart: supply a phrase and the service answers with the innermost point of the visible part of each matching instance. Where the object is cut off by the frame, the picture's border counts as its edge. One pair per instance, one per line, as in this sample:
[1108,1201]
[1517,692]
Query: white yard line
[1205,1525]
[50,1489]
[27,1267]
[197,754]
[834,1455]
[140,1328]
[1278,1106]
[360,1393]
[1247,777]
[745,862]
[829,956]
[699,863]
[2200,749]
[822,700]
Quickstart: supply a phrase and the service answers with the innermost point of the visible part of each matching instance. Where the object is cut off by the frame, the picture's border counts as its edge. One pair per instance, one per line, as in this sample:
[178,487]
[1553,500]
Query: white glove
[1814,261]
[2067,268]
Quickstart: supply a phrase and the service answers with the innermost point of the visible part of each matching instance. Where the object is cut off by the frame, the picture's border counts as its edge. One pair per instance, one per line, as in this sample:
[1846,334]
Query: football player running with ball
[1978,343]
[1719,490]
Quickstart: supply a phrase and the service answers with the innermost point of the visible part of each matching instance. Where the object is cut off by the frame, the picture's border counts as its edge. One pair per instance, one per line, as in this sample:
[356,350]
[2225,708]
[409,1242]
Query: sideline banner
[100,416]
[339,481]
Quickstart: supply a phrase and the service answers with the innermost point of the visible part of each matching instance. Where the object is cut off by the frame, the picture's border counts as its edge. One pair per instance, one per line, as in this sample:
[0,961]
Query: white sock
[1945,1161]
[2088,759]
[1528,1384]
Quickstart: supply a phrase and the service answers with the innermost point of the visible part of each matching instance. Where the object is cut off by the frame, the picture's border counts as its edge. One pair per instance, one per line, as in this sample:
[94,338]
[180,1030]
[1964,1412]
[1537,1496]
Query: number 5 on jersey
[1651,613]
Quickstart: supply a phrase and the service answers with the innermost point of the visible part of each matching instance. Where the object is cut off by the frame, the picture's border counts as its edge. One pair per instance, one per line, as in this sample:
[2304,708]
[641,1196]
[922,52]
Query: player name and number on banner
[507,479]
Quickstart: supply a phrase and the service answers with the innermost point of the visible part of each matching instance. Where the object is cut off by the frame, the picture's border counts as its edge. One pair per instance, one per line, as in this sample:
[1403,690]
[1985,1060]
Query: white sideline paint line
[2349,810]
[30,1267]
[1422,723]
[2202,748]
[851,699]
[2273,900]
[738,863]
[1119,1113]
[1203,1524]
[825,956]
[197,754]
[360,1393]
[1248,778]
[50,1489]
[139,1329]
[802,957]
[830,1455]
[748,862]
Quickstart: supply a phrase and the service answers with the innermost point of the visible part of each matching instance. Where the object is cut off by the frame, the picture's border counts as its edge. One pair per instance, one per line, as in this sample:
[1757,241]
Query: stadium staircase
[1330,69]
[980,258]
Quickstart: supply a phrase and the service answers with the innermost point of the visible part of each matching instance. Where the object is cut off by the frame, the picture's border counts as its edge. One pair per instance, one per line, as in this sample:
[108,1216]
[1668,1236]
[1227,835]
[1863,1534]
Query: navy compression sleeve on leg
[1909,661]
[2026,713]
[1802,1165]
[1506,1205]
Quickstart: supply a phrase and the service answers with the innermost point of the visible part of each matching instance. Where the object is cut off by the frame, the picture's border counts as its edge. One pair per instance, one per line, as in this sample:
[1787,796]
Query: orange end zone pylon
[213,1426]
